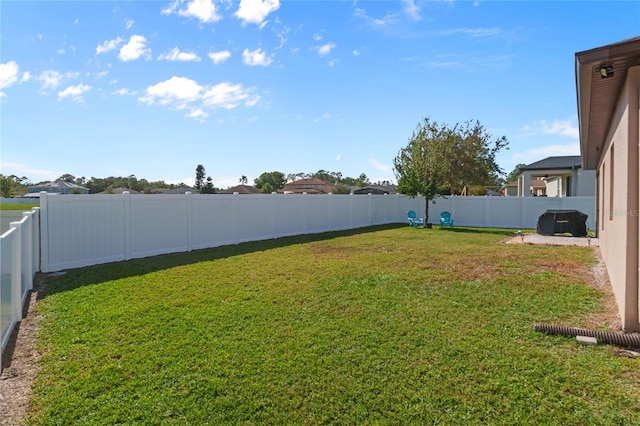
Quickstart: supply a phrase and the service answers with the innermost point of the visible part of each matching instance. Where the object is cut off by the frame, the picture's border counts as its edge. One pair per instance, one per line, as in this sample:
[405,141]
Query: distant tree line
[269,182]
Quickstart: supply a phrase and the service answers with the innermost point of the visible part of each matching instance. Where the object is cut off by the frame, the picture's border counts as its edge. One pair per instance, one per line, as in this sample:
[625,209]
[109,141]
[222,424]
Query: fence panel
[158,225]
[507,212]
[18,265]
[81,230]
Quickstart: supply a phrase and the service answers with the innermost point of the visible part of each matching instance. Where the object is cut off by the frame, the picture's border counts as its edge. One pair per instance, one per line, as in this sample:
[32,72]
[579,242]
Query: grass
[24,207]
[387,325]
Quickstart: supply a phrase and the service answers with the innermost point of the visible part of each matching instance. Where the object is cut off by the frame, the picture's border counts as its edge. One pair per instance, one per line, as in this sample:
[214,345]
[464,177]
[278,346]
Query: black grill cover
[561,221]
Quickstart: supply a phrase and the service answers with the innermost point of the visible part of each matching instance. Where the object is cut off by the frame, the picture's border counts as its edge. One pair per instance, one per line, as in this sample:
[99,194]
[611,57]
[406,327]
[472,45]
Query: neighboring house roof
[511,184]
[57,186]
[600,75]
[310,186]
[178,190]
[373,189]
[241,189]
[120,190]
[182,190]
[555,163]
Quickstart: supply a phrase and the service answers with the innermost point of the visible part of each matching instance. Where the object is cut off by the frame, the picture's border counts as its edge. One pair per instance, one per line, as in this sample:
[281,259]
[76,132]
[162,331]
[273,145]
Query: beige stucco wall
[618,221]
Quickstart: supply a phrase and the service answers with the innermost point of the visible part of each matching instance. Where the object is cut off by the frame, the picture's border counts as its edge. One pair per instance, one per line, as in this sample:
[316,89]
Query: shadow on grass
[491,231]
[89,275]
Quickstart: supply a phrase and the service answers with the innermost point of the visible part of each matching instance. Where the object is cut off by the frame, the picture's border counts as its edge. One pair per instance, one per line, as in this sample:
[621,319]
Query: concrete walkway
[555,240]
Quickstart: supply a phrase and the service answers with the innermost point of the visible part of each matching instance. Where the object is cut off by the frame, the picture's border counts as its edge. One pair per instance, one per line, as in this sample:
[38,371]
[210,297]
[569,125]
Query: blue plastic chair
[414,220]
[445,220]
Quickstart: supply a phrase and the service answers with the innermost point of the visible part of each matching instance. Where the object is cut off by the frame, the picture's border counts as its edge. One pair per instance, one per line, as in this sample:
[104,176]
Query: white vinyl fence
[20,260]
[82,230]
[507,212]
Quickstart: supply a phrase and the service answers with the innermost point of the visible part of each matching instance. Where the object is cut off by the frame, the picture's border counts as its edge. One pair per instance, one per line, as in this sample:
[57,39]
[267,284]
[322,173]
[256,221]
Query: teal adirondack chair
[414,220]
[445,220]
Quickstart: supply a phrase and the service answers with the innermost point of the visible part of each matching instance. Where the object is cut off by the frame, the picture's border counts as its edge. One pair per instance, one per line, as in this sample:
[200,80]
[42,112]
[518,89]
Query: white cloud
[256,57]
[356,52]
[325,49]
[228,96]
[76,21]
[8,74]
[375,22]
[26,76]
[176,89]
[128,23]
[34,175]
[317,37]
[325,116]
[338,157]
[108,45]
[219,57]
[182,93]
[203,10]
[255,11]
[122,92]
[177,55]
[50,79]
[567,128]
[74,92]
[472,32]
[134,49]
[412,10]
[550,151]
[383,167]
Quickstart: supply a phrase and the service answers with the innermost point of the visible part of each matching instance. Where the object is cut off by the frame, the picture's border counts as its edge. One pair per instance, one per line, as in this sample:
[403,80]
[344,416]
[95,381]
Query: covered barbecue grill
[563,221]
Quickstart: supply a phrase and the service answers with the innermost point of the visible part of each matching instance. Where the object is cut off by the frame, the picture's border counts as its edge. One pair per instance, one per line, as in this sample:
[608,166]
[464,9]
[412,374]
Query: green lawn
[25,206]
[386,325]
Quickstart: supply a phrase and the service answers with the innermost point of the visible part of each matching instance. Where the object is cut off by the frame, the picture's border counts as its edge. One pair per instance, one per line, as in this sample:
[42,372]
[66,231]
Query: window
[611,166]
[604,176]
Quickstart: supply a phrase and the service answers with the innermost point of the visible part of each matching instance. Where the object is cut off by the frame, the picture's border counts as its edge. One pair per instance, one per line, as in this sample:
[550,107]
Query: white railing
[20,260]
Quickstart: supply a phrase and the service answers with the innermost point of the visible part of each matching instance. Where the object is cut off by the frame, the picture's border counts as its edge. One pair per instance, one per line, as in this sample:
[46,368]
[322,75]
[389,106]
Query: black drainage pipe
[618,339]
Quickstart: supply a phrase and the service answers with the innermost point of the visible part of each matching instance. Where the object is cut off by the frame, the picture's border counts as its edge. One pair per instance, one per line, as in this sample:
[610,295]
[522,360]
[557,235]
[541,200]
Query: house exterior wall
[618,197]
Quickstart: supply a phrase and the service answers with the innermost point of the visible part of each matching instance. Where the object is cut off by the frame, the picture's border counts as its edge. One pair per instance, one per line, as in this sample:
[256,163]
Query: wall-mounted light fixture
[606,71]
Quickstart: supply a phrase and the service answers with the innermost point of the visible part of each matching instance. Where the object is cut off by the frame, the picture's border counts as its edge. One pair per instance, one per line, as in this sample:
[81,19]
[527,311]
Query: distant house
[537,187]
[563,177]
[179,190]
[373,189]
[240,189]
[58,187]
[309,186]
[608,88]
[119,190]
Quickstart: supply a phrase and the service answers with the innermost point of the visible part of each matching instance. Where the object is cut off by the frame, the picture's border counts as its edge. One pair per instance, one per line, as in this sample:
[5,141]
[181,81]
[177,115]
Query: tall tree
[243,180]
[275,179]
[200,177]
[418,165]
[441,158]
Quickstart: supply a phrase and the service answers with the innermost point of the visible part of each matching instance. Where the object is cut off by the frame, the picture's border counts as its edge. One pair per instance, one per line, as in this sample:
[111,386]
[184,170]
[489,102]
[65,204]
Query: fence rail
[20,260]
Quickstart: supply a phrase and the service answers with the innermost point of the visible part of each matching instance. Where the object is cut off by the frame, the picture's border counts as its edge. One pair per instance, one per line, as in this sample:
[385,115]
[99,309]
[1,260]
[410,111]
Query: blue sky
[154,88]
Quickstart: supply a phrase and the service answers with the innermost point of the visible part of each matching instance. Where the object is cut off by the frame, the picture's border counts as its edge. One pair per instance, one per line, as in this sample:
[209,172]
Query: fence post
[16,273]
[126,220]
[29,248]
[189,221]
[35,242]
[44,232]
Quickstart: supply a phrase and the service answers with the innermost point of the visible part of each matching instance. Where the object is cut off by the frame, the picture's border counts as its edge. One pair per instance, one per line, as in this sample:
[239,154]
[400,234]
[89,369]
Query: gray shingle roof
[563,162]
